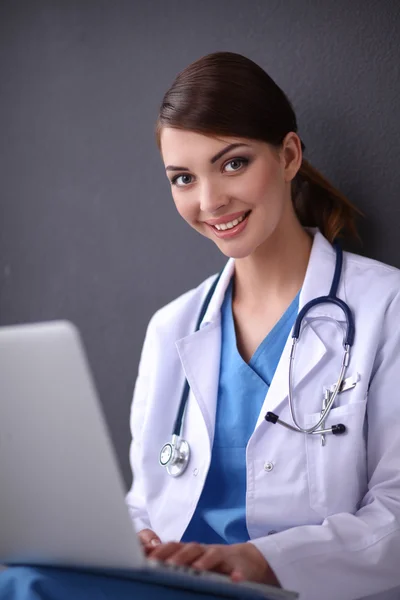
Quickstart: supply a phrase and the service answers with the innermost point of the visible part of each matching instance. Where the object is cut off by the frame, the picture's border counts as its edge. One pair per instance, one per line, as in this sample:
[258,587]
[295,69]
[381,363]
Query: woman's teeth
[230,224]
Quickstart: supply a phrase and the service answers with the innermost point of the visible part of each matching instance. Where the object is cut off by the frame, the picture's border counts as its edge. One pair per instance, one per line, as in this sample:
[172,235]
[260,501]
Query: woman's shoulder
[369,276]
[362,265]
[181,314]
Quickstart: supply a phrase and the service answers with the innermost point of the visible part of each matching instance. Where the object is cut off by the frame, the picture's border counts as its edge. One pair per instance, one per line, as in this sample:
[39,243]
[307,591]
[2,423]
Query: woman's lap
[39,583]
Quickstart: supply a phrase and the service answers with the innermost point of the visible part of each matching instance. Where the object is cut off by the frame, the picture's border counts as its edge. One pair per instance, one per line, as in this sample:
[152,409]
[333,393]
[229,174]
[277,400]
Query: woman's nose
[211,199]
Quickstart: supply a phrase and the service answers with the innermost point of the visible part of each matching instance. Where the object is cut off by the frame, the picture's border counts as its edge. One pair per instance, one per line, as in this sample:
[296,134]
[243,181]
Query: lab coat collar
[212,313]
[319,276]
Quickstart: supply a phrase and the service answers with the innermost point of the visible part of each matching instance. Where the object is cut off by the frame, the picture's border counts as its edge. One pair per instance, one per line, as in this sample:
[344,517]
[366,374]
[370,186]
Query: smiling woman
[227,179]
[226,95]
[293,505]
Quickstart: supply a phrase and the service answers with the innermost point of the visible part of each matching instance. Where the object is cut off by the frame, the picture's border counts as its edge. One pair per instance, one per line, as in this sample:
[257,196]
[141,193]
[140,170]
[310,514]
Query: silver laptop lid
[61,492]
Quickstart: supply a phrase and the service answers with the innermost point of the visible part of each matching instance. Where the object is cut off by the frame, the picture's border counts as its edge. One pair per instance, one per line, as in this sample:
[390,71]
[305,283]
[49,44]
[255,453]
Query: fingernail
[155,542]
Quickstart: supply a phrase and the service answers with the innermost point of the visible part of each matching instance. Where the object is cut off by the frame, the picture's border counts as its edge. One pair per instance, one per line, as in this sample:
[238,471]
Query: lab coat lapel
[311,348]
[200,357]
[200,354]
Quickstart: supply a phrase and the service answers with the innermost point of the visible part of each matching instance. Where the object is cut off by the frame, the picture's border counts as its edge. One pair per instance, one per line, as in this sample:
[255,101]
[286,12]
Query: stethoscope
[174,455]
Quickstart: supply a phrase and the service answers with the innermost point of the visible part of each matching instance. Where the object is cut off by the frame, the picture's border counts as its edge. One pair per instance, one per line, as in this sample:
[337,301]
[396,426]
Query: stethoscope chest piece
[174,456]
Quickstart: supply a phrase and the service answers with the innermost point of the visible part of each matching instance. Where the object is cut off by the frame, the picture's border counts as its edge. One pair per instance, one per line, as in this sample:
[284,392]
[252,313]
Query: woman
[316,513]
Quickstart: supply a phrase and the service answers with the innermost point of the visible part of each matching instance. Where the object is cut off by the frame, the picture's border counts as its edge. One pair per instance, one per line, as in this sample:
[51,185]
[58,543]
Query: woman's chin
[235,251]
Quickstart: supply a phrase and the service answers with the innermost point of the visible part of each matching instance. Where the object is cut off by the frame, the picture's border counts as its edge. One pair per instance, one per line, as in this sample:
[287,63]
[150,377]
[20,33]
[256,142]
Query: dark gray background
[88,230]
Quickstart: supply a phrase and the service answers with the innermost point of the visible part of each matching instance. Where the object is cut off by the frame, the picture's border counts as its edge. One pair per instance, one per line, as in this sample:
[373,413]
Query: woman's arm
[351,556]
[135,498]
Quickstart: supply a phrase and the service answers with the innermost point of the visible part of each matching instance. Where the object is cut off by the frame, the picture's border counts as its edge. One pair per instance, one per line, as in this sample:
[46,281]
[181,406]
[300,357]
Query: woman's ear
[292,155]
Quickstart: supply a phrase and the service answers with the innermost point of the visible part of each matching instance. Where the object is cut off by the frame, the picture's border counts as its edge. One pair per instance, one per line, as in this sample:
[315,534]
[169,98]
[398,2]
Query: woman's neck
[276,270]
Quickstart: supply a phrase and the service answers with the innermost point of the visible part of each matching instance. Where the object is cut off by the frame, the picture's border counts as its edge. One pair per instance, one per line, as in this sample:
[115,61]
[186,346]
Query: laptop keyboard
[260,590]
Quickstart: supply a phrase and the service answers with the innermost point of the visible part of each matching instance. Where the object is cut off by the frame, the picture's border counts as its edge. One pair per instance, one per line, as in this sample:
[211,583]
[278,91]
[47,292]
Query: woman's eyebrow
[225,150]
[212,160]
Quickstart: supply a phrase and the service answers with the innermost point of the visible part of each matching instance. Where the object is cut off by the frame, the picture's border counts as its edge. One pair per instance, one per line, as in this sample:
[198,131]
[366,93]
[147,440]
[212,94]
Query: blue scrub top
[220,516]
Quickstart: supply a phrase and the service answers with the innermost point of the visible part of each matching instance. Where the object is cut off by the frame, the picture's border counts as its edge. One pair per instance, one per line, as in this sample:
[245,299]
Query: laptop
[62,496]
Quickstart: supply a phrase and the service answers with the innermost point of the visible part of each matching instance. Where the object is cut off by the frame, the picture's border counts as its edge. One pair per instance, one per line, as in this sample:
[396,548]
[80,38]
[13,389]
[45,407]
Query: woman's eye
[235,164]
[181,180]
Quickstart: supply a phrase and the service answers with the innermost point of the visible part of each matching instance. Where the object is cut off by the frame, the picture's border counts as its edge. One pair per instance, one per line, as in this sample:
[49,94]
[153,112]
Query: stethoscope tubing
[178,425]
[347,343]
[325,412]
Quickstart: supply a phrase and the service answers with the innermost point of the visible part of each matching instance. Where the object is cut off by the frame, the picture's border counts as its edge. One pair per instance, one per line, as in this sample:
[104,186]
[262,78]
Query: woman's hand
[239,561]
[149,540]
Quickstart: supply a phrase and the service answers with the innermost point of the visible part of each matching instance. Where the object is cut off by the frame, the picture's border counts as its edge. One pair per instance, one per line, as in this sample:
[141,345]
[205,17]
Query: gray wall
[88,230]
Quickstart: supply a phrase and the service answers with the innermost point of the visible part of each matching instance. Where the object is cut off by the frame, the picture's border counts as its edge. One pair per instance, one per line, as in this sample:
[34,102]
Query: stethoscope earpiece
[338,429]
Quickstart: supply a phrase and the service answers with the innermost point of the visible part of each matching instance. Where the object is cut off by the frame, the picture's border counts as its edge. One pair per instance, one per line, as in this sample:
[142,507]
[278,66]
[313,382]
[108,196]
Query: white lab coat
[326,518]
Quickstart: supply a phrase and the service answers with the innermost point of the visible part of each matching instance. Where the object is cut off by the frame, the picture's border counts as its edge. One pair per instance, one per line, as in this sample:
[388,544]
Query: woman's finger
[237,575]
[148,548]
[187,554]
[147,536]
[164,551]
[212,559]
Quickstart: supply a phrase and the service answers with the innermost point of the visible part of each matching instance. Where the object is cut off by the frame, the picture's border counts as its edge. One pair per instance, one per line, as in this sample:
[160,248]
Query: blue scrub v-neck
[220,516]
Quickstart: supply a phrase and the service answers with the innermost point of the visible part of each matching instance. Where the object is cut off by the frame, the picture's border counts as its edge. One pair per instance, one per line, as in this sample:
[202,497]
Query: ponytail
[319,204]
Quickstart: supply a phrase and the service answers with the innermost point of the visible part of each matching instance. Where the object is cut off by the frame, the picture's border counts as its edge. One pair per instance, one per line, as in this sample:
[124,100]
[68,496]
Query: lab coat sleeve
[351,556]
[135,498]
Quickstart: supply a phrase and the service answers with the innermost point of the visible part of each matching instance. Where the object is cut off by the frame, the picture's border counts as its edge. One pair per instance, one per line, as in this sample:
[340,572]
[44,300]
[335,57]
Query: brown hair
[227,94]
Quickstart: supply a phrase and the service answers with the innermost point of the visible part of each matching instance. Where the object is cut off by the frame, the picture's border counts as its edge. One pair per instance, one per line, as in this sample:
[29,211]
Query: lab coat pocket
[337,471]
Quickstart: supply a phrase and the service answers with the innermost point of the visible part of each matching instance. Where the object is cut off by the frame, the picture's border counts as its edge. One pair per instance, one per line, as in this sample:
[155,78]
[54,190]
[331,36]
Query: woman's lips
[229,233]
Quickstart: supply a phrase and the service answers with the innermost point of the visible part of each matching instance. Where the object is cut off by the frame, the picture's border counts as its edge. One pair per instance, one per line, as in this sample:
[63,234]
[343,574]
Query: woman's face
[235,191]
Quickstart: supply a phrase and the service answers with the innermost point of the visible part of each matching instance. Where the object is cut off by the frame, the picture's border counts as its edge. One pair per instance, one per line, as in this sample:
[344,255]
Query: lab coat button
[195,471]
[268,466]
